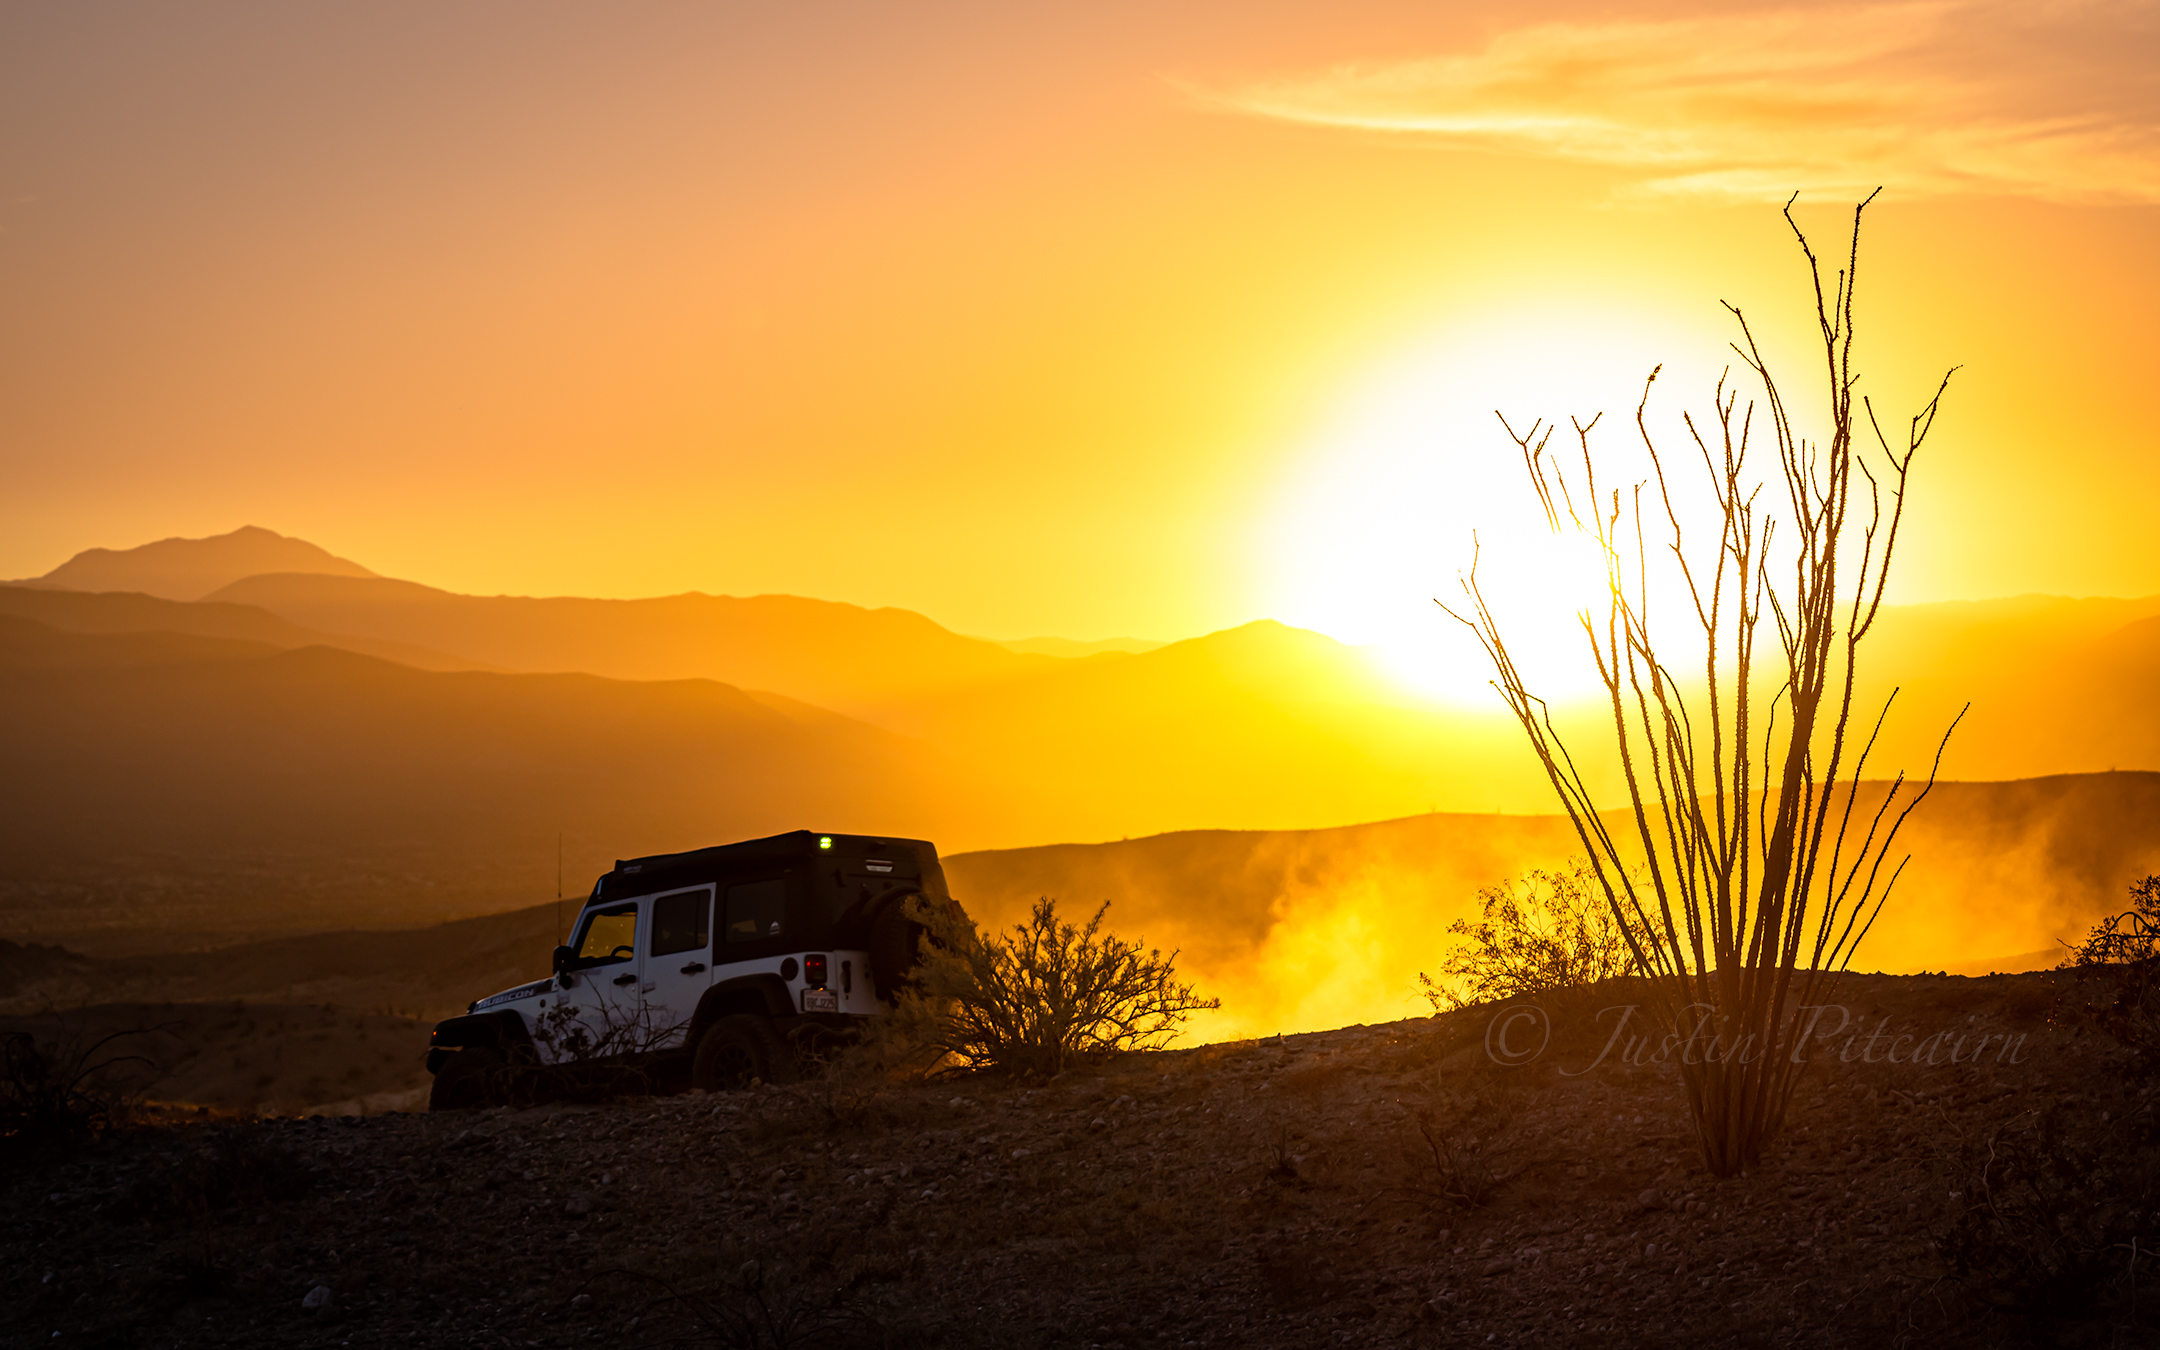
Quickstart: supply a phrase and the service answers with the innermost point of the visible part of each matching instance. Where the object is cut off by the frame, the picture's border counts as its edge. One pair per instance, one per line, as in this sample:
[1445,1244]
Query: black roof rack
[745,853]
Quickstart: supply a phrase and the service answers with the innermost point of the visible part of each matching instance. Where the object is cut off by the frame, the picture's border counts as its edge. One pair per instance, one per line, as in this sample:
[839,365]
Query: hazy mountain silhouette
[120,612]
[1263,725]
[2056,685]
[1070,647]
[189,569]
[211,785]
[340,782]
[835,655]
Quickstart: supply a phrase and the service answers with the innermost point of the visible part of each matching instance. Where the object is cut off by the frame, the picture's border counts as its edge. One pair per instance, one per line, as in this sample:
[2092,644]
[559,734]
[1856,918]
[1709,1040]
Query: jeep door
[602,1012]
[677,960]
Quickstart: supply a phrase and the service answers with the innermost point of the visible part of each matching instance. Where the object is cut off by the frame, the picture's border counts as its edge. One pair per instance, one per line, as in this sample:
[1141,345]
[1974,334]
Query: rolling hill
[316,750]
[1310,928]
[175,784]
[835,655]
[1294,929]
[119,612]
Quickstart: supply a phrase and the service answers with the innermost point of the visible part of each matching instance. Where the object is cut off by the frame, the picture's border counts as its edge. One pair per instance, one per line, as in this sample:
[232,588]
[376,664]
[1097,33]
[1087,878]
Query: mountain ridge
[180,568]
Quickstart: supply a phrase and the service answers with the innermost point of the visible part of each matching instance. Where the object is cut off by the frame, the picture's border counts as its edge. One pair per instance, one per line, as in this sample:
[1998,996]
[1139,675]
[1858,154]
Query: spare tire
[895,946]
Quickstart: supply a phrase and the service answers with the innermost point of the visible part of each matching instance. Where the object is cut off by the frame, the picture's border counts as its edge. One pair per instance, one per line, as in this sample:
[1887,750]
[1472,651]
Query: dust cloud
[1311,929]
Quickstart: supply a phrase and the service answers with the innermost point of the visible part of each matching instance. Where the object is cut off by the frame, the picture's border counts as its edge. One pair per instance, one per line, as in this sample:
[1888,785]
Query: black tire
[469,1080]
[737,1049]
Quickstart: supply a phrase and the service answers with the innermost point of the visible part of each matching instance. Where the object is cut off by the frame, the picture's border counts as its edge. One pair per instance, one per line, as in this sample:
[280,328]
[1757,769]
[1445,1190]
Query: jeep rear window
[610,935]
[754,910]
[679,922]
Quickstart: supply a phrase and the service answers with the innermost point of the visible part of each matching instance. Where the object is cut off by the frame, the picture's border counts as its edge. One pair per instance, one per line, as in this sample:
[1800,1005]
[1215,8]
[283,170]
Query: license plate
[820,1000]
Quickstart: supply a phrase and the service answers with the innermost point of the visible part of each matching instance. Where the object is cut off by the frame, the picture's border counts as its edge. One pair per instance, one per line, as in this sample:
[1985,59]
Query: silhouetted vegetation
[2119,961]
[1045,995]
[1551,933]
[1470,1147]
[1756,882]
[62,1089]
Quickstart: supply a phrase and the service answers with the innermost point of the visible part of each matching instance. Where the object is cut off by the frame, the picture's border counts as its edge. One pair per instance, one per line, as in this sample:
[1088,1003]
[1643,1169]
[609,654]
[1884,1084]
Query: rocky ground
[1386,1185]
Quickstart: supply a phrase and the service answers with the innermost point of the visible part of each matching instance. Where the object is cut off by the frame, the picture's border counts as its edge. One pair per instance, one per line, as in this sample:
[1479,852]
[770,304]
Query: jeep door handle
[693,968]
[626,979]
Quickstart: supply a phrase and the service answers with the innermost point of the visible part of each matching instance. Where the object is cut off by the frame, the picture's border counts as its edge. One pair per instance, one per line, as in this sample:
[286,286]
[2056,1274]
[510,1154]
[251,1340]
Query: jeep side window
[680,923]
[754,910]
[610,935]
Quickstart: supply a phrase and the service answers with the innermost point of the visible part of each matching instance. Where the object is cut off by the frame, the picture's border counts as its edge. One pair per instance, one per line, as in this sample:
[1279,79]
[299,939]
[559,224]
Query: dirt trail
[1272,1193]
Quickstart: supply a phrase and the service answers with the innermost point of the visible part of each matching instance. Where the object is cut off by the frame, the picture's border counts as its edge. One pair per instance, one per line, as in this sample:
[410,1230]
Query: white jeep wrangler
[703,969]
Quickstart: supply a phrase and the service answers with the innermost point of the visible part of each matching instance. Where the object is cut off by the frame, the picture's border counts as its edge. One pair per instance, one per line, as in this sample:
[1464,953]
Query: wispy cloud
[2057,101]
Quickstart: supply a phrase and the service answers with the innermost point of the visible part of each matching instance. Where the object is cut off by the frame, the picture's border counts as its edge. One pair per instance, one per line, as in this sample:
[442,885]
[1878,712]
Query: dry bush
[1042,997]
[595,1054]
[63,1089]
[2058,1212]
[1551,933]
[1469,1145]
[2120,961]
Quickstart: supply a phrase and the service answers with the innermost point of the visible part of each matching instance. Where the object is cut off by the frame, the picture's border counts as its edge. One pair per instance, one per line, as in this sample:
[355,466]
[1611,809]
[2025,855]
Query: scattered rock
[924,1218]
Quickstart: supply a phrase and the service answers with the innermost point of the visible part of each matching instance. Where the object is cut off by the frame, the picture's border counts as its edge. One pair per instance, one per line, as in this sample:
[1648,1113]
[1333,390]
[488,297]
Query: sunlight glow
[1414,476]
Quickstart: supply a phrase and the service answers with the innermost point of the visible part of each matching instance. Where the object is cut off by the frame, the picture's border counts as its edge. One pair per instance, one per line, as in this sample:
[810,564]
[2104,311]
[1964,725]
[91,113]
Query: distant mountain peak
[189,569]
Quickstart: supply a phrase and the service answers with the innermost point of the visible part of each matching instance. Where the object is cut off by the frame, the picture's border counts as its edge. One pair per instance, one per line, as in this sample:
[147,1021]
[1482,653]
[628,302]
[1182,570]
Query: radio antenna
[558,887]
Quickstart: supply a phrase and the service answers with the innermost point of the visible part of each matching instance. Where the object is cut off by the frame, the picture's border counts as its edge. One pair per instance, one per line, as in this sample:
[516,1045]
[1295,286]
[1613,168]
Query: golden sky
[1128,318]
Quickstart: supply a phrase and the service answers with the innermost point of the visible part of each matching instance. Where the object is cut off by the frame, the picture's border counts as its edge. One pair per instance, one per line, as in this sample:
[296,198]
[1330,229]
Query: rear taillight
[813,971]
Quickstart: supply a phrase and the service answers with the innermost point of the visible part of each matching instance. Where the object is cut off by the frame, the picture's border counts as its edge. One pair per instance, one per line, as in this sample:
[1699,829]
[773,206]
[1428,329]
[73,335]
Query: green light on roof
[825,842]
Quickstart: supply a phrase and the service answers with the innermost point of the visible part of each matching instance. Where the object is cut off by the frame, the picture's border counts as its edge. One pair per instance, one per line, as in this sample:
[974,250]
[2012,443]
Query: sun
[1413,478]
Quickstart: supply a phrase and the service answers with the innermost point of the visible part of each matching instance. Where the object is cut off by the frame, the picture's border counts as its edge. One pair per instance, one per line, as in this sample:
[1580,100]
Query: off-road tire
[473,1078]
[736,1049]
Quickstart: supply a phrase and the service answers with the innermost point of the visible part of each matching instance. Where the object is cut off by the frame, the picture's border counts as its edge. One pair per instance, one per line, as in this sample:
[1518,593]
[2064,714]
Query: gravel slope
[1272,1193]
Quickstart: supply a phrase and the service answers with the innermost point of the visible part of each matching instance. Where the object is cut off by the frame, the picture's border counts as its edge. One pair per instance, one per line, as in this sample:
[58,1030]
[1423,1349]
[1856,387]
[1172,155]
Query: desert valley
[1170,673]
[282,822]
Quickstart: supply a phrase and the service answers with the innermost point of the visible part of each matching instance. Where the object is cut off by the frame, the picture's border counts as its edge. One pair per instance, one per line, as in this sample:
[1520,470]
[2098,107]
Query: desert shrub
[1042,996]
[594,1054]
[1548,933]
[61,1089]
[2057,1211]
[2119,960]
[1468,1144]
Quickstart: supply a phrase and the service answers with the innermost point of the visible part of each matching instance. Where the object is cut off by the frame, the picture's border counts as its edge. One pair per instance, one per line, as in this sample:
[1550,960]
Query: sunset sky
[1127,318]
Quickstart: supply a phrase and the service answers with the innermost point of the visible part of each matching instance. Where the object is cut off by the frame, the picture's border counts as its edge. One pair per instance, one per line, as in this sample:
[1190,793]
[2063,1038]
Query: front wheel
[472,1078]
[737,1049]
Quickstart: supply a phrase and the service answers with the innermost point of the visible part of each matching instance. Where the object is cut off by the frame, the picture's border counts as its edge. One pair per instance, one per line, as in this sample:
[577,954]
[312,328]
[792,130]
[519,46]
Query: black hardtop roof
[752,853]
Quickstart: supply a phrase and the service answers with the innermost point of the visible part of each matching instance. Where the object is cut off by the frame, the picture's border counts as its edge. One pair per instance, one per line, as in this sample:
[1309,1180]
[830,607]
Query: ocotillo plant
[1753,871]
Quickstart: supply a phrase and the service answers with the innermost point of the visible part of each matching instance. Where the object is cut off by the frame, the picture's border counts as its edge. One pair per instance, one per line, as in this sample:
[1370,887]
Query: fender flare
[766,993]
